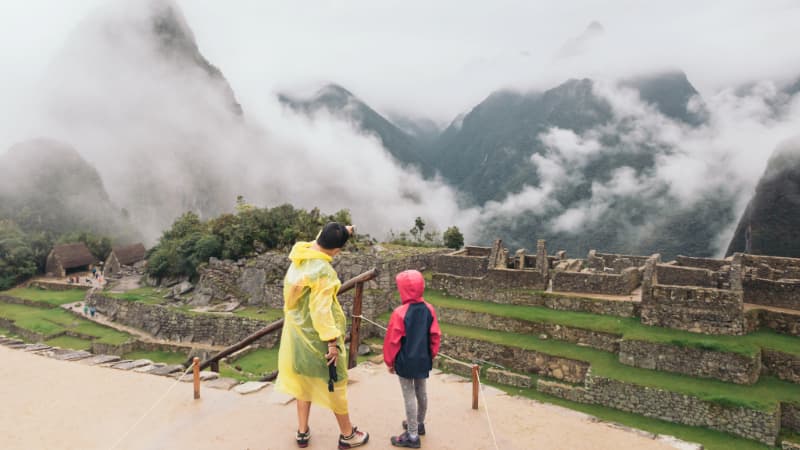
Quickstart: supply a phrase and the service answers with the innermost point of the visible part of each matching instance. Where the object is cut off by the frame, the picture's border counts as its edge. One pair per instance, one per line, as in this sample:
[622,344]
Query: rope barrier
[122,438]
[480,385]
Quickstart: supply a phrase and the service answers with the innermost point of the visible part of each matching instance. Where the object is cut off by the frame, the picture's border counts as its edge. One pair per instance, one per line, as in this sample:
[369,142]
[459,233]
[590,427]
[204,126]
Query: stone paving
[145,366]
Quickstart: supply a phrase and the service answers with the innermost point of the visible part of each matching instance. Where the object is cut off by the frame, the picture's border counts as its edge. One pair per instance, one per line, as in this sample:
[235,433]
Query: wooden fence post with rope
[355,326]
[475,387]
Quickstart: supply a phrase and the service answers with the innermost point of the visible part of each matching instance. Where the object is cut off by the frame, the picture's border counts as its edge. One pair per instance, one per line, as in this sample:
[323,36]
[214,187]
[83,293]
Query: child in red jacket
[412,341]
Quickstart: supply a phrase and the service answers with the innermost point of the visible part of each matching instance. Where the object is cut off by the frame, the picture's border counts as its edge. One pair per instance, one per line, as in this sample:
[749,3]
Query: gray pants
[416,400]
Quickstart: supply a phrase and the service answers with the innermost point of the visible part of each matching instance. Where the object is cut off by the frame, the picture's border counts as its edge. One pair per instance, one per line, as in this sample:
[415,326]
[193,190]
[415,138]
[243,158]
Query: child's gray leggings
[416,399]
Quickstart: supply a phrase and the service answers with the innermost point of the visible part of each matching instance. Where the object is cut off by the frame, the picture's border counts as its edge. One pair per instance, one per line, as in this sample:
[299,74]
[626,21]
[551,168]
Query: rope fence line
[480,384]
[124,435]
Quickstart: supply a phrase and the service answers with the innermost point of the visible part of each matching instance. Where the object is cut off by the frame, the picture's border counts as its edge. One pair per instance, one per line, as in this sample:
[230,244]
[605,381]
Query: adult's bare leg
[345,426]
[303,411]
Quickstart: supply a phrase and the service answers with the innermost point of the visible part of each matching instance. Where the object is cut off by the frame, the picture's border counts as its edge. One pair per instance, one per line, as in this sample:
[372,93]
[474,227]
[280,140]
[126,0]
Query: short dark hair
[333,235]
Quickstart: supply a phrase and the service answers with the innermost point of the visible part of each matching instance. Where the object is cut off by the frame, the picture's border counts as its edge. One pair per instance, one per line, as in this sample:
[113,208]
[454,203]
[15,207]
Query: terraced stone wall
[780,322]
[516,359]
[699,310]
[612,259]
[790,416]
[786,267]
[172,324]
[57,286]
[598,283]
[780,364]
[686,276]
[702,263]
[463,266]
[602,341]
[781,294]
[692,361]
[761,426]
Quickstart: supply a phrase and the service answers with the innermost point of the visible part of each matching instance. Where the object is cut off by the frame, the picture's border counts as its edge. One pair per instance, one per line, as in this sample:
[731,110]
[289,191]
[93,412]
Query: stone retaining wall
[25,301]
[699,310]
[516,359]
[782,365]
[27,335]
[686,276]
[790,416]
[612,259]
[602,341]
[789,267]
[696,362]
[474,289]
[782,294]
[57,286]
[508,378]
[762,426]
[99,348]
[174,325]
[599,283]
[780,322]
[702,263]
[462,265]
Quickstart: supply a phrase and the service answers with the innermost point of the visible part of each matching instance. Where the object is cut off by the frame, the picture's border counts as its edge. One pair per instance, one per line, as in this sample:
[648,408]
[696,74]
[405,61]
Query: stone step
[167,370]
[74,355]
[250,387]
[36,347]
[56,352]
[149,367]
[9,341]
[17,346]
[222,383]
[204,376]
[114,363]
[132,364]
[101,359]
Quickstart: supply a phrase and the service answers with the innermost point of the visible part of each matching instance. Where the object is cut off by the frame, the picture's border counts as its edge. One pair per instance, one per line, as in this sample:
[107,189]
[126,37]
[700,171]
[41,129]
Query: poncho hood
[411,285]
[302,251]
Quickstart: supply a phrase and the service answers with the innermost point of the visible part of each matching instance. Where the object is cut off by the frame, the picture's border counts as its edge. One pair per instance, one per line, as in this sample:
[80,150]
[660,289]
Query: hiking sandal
[356,439]
[303,438]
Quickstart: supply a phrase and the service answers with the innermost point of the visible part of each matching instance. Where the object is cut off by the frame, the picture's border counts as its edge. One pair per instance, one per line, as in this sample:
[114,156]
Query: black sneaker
[420,428]
[356,439]
[404,440]
[303,438]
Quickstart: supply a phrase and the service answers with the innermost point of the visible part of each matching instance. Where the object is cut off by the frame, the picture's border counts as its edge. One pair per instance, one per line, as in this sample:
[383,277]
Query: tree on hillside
[17,259]
[453,238]
[419,227]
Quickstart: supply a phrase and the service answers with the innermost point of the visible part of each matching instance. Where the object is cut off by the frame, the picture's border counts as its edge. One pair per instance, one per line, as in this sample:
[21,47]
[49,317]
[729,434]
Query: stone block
[101,359]
[508,378]
[204,376]
[222,383]
[456,367]
[167,370]
[132,364]
[73,355]
[250,387]
[279,398]
[36,347]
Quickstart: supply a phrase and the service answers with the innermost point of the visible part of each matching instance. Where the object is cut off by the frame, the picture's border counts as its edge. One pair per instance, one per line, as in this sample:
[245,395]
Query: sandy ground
[50,404]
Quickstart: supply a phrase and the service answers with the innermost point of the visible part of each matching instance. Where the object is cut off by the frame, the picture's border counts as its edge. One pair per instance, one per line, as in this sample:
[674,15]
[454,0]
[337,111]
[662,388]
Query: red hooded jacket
[413,337]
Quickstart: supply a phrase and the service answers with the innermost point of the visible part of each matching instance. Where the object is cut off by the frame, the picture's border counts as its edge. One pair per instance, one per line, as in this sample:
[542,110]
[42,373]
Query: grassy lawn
[143,294]
[628,328]
[56,320]
[763,395]
[260,313]
[711,440]
[254,365]
[69,342]
[54,298]
[158,356]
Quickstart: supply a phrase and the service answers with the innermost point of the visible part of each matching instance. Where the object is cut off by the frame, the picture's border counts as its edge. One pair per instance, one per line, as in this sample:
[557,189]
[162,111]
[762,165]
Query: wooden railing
[356,282]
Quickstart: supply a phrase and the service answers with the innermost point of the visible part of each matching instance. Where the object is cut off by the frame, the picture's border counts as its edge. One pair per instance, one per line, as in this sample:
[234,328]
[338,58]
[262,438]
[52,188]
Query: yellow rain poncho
[312,316]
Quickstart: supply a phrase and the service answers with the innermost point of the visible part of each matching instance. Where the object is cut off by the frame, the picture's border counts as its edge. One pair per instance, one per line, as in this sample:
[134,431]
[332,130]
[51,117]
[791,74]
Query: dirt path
[68,405]
[141,335]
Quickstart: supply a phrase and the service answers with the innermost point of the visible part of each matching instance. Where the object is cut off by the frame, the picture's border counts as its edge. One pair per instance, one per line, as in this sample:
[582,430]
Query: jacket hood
[411,285]
[302,251]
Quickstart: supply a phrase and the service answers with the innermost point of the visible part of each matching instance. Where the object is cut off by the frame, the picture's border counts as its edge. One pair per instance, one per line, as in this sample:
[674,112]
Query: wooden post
[196,364]
[475,386]
[355,326]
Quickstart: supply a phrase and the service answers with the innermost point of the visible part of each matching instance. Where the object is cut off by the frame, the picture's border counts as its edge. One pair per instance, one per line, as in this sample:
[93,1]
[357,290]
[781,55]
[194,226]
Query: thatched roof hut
[127,255]
[69,258]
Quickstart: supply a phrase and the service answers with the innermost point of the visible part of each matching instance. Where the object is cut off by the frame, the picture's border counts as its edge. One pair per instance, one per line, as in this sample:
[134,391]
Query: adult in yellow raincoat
[312,339]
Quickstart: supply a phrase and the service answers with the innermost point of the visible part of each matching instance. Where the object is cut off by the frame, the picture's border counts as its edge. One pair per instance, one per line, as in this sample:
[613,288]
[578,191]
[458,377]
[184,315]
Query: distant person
[85,309]
[411,342]
[92,310]
[312,339]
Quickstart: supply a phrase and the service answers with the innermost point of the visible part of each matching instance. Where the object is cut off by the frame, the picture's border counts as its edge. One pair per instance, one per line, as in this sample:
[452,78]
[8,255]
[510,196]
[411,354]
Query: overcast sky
[435,59]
